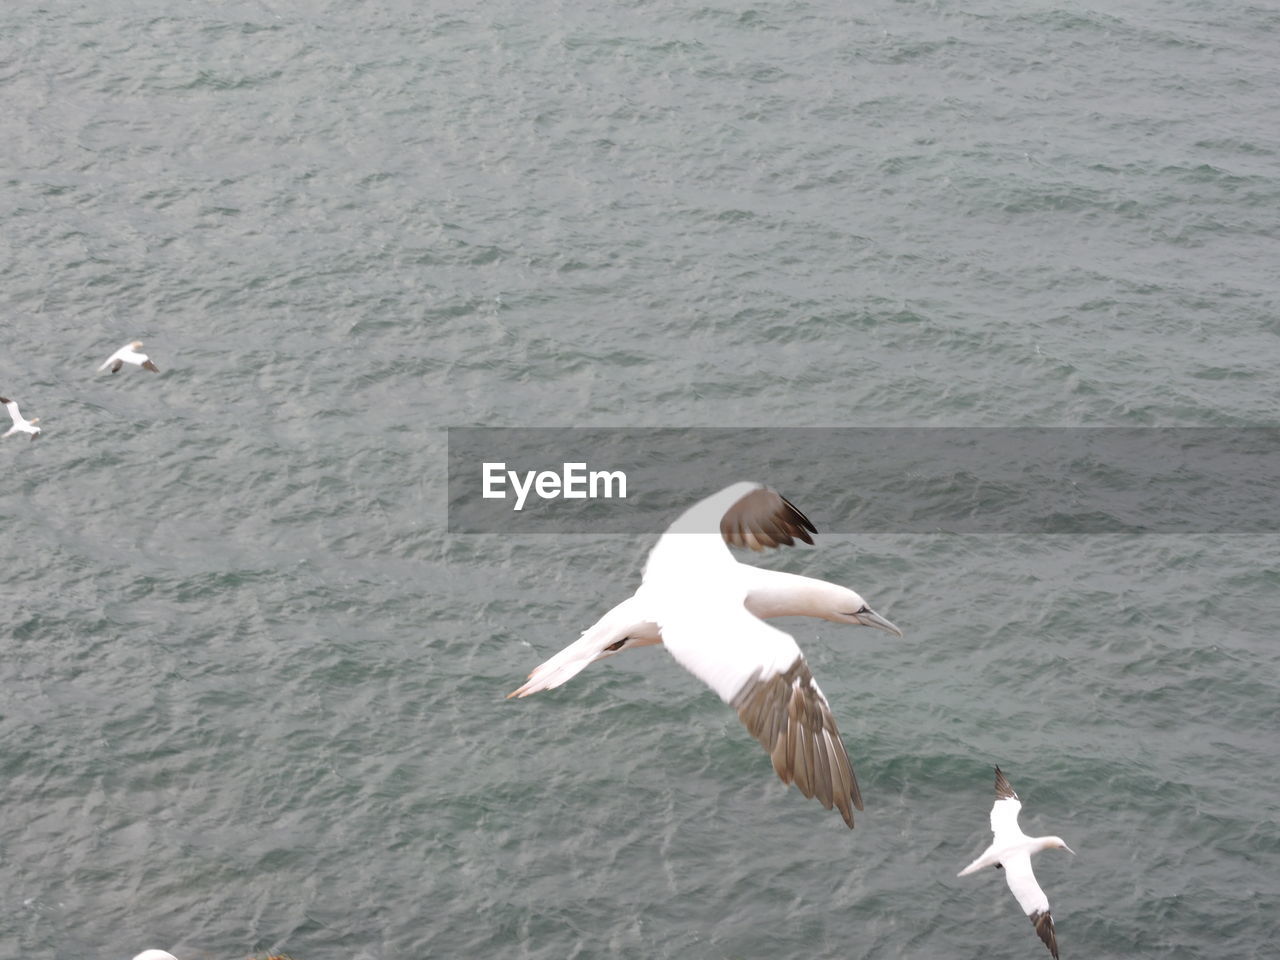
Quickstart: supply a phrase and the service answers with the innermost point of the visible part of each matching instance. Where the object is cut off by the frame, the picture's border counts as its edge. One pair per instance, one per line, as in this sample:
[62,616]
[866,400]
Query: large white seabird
[20,423]
[1011,849]
[706,608]
[129,354]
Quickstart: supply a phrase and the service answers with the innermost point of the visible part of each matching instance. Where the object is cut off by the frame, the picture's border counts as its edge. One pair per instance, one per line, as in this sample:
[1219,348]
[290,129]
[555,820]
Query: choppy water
[252,691]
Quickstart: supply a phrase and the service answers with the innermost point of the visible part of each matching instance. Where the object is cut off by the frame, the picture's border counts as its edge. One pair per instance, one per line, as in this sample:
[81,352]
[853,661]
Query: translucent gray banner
[1060,480]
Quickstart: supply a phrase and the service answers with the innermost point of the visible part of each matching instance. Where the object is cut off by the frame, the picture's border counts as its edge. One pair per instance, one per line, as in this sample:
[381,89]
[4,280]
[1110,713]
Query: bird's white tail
[987,859]
[618,624]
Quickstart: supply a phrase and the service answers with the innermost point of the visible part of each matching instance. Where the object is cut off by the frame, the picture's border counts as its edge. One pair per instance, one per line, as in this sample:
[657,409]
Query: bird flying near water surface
[1011,850]
[20,423]
[129,354]
[706,608]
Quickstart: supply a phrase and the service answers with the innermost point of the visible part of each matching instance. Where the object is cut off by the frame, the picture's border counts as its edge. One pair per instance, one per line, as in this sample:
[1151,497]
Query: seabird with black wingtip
[129,354]
[20,423]
[1011,850]
[707,609]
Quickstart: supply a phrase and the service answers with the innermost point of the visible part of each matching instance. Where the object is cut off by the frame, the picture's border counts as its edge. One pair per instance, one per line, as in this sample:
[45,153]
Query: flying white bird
[155,955]
[129,354]
[1011,849]
[705,608]
[20,423]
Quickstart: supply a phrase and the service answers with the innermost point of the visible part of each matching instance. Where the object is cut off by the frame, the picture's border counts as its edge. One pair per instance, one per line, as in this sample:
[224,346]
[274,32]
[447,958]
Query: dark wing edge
[1042,920]
[148,365]
[115,367]
[1003,790]
[791,719]
[765,518]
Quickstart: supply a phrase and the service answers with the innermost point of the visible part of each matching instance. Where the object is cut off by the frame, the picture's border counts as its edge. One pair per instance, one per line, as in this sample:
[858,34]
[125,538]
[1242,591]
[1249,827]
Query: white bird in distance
[129,354]
[1011,850]
[20,423]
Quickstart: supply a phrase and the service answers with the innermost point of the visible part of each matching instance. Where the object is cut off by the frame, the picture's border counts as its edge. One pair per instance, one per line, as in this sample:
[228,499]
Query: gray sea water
[251,689]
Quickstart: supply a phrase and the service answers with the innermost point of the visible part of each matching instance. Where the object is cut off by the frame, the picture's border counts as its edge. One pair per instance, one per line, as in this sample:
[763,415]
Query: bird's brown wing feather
[1043,922]
[792,720]
[764,518]
[1003,790]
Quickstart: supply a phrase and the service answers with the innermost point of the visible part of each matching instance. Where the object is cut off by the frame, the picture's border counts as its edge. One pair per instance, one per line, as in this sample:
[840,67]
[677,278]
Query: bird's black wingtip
[1003,789]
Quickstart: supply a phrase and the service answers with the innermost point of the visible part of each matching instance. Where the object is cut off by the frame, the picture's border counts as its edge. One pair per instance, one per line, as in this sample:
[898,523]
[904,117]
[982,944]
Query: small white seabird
[706,608]
[155,955]
[20,423]
[1011,849]
[129,354]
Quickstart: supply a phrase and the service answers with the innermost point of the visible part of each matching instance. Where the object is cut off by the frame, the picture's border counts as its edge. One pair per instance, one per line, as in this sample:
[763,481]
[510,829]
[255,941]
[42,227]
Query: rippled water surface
[251,691]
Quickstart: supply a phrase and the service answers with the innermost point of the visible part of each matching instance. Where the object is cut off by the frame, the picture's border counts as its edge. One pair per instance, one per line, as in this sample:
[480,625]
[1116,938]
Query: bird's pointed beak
[1068,849]
[869,618]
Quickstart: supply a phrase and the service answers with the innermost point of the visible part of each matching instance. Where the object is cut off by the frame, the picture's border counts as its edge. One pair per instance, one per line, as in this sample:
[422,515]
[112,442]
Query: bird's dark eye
[864,609]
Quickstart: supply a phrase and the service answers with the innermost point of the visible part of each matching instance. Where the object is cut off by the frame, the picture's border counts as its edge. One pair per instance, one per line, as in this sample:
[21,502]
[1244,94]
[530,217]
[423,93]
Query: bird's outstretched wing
[764,518]
[760,672]
[743,514]
[1022,881]
[1004,812]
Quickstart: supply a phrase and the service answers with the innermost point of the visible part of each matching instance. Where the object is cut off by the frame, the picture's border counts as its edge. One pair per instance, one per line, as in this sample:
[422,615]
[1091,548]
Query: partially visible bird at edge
[20,423]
